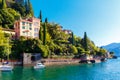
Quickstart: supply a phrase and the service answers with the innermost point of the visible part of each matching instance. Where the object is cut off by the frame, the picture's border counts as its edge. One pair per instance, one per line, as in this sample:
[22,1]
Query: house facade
[27,27]
[67,31]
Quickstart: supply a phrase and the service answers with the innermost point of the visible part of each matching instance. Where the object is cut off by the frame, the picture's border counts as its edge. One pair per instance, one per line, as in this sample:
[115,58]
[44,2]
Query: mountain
[113,47]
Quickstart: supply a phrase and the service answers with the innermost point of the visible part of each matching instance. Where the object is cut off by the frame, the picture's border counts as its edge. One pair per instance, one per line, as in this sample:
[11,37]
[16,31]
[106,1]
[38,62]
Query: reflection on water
[109,70]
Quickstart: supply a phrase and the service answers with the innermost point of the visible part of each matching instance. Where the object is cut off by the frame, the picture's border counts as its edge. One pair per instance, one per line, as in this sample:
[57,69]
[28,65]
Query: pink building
[27,27]
[67,31]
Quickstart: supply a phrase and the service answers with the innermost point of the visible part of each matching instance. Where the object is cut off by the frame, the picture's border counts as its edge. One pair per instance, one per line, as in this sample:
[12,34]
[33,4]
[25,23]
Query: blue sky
[99,18]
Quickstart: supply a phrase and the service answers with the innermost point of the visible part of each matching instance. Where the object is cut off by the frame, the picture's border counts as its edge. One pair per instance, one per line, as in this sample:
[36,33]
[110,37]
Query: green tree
[19,8]
[44,50]
[73,41]
[41,33]
[21,2]
[30,9]
[73,49]
[85,41]
[46,20]
[15,14]
[4,5]
[40,16]
[26,7]
[0,4]
[44,34]
[5,47]
[7,17]
[102,52]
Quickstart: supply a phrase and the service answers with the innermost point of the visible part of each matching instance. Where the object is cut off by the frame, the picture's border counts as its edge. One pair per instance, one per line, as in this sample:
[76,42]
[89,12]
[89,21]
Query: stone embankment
[48,62]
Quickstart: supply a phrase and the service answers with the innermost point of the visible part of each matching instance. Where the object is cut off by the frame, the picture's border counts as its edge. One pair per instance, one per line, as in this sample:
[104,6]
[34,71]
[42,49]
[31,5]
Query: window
[30,24]
[36,29]
[36,23]
[30,28]
[23,27]
[23,23]
[36,35]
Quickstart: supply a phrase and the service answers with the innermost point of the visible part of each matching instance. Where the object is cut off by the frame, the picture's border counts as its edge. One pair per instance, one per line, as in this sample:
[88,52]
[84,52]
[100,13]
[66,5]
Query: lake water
[109,70]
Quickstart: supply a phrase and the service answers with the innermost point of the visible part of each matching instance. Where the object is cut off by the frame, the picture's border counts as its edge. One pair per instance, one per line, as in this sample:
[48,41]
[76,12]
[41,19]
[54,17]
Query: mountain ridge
[113,47]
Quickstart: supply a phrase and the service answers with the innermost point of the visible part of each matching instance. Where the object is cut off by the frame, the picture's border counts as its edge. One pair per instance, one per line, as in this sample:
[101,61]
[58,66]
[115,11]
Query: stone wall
[27,61]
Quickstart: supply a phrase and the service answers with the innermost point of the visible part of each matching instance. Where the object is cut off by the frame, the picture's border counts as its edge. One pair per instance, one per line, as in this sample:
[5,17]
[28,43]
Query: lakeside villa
[28,27]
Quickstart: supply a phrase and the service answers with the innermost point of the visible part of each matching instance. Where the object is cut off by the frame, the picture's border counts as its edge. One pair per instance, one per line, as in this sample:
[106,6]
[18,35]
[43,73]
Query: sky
[99,18]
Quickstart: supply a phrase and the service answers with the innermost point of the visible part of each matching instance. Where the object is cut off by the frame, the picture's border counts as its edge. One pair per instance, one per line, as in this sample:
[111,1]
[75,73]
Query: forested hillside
[52,42]
[11,11]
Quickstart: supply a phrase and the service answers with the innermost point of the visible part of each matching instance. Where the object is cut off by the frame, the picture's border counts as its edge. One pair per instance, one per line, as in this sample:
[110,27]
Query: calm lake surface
[109,70]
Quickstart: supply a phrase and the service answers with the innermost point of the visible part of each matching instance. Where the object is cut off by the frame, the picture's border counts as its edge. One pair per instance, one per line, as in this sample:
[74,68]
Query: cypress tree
[44,31]
[41,34]
[46,20]
[73,41]
[30,9]
[44,34]
[26,7]
[85,44]
[40,16]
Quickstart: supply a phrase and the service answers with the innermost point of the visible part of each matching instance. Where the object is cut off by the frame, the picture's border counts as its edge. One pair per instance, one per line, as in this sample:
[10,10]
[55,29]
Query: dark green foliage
[16,10]
[44,34]
[73,42]
[2,51]
[3,5]
[8,16]
[29,9]
[112,54]
[24,8]
[21,2]
[85,42]
[40,16]
[0,4]
[41,33]
[46,20]
[29,46]
[73,49]
[20,8]
[5,45]
[56,33]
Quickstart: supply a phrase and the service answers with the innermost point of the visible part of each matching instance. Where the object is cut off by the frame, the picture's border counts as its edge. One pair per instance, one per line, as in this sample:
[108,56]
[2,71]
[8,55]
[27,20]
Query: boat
[39,65]
[6,68]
